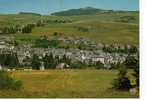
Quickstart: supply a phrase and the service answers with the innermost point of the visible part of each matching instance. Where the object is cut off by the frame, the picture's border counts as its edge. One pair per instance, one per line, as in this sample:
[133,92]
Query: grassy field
[85,83]
[102,27]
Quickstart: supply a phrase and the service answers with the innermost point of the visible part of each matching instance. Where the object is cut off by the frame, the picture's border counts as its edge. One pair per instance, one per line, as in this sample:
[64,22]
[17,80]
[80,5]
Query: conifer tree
[122,82]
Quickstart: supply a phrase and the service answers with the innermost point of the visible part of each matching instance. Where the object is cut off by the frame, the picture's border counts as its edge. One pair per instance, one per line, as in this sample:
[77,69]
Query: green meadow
[102,27]
[85,83]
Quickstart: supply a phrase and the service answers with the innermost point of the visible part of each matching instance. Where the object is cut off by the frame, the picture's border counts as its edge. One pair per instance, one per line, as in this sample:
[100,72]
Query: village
[25,53]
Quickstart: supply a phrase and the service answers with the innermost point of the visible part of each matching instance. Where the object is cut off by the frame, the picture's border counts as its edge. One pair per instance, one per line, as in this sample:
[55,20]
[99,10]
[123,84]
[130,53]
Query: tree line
[27,28]
[118,49]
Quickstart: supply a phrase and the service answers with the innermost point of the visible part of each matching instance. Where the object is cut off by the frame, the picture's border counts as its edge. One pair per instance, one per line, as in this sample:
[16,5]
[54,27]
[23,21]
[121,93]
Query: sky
[49,6]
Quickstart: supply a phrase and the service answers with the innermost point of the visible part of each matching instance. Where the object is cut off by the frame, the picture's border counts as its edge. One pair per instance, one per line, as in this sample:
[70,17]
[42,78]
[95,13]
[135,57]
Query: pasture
[102,28]
[85,83]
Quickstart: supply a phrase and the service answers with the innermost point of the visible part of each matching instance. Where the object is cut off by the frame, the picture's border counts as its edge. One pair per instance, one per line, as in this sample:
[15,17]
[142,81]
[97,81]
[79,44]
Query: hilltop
[29,13]
[81,11]
[86,11]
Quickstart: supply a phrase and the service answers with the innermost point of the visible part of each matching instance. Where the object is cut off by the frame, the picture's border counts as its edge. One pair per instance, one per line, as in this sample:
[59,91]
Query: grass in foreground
[66,84]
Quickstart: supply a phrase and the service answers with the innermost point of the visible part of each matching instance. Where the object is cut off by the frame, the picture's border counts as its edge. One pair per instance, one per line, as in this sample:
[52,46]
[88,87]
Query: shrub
[131,61]
[78,65]
[7,82]
[99,65]
[136,73]
[122,82]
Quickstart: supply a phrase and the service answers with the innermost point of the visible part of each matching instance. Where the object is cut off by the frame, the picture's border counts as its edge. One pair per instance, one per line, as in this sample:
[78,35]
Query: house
[42,68]
[0,67]
[27,69]
[2,45]
[62,66]
[1,31]
[98,58]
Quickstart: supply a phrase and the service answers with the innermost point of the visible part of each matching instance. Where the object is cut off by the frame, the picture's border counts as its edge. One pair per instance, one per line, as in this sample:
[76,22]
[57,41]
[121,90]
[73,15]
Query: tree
[99,65]
[35,62]
[40,23]
[136,73]
[27,28]
[57,60]
[45,60]
[13,60]
[130,61]
[10,60]
[65,60]
[122,82]
[12,29]
[49,61]
[133,49]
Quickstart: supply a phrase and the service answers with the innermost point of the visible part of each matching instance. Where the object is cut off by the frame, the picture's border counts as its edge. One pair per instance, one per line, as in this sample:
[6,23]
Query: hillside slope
[113,27]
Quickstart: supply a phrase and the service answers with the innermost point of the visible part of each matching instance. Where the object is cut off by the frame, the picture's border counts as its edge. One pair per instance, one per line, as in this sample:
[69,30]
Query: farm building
[62,66]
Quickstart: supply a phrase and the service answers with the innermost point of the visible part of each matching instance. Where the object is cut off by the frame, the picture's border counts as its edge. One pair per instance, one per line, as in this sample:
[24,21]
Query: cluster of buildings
[26,51]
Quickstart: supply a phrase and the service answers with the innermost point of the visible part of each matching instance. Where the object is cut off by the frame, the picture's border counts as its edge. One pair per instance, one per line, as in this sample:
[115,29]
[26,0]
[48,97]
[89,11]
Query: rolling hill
[87,11]
[81,11]
[98,25]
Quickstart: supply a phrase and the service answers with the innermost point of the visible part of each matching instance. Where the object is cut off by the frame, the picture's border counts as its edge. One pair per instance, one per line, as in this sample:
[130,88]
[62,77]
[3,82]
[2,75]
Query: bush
[99,65]
[131,61]
[136,73]
[78,65]
[122,82]
[7,82]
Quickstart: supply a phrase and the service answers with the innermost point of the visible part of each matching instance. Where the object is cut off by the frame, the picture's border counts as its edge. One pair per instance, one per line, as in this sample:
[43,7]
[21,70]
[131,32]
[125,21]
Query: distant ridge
[84,11]
[29,13]
[80,11]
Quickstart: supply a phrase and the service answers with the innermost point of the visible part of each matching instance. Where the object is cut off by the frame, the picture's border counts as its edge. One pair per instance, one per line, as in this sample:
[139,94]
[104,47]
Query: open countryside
[78,52]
